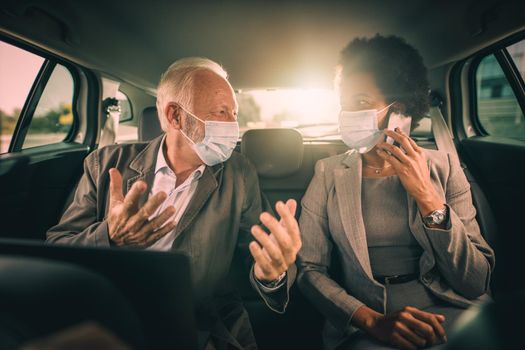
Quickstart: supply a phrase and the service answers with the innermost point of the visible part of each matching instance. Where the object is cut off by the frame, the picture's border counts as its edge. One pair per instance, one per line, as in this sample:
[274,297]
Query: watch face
[438,217]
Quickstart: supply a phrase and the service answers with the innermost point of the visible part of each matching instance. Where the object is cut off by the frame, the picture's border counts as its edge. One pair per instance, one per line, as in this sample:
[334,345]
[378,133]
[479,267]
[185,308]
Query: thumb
[115,187]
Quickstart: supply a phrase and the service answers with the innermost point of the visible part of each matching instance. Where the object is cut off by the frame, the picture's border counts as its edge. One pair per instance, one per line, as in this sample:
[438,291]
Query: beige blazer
[456,263]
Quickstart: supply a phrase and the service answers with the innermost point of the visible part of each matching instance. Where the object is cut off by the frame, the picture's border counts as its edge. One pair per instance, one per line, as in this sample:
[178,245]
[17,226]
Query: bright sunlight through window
[313,112]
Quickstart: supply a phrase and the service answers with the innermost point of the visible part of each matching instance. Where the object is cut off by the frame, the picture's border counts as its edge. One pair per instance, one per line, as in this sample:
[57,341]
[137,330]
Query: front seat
[149,124]
[277,155]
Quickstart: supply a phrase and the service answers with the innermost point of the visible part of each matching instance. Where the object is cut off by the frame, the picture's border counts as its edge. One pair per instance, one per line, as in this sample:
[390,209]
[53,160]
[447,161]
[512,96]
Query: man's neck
[179,155]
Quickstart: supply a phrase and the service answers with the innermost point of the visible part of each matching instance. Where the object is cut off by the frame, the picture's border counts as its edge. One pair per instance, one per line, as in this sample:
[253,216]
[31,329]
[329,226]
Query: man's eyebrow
[226,107]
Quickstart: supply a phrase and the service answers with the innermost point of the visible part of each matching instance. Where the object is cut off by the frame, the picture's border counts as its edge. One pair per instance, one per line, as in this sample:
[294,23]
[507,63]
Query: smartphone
[401,121]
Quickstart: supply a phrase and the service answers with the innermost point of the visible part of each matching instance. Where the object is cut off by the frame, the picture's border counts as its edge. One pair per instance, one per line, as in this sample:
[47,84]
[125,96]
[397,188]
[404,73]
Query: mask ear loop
[390,105]
[387,120]
[192,115]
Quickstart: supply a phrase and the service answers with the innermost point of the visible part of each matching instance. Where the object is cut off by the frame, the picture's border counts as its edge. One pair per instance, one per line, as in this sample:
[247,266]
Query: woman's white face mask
[220,139]
[359,130]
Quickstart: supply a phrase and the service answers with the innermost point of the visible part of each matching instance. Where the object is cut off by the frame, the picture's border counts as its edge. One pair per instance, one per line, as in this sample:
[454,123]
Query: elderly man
[188,191]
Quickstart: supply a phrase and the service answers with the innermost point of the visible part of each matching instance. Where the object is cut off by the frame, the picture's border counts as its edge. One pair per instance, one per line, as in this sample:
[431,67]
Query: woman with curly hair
[398,219]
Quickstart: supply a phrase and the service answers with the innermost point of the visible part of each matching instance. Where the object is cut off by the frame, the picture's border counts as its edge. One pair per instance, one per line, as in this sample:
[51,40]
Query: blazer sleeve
[463,257]
[253,205]
[79,224]
[315,256]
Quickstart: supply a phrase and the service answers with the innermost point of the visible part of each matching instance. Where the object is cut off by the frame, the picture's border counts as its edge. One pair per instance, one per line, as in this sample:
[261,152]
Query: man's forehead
[211,87]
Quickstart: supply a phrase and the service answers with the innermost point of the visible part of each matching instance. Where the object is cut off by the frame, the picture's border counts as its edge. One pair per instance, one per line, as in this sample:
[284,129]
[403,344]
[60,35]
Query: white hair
[176,84]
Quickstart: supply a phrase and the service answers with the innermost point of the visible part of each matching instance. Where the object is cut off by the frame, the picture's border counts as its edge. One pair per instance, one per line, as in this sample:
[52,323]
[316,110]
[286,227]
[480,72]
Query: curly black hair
[396,67]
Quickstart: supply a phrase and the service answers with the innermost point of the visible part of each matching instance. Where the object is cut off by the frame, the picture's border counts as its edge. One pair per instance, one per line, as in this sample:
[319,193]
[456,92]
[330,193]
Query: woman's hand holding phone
[410,164]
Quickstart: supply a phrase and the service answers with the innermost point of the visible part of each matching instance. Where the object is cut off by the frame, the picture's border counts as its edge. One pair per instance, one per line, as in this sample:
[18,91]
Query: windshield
[313,112]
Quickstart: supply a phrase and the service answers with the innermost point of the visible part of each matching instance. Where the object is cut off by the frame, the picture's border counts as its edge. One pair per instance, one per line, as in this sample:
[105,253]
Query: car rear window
[313,112]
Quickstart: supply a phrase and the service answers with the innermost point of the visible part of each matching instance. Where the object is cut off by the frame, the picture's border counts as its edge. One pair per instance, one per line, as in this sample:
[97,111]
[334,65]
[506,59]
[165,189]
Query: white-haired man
[188,191]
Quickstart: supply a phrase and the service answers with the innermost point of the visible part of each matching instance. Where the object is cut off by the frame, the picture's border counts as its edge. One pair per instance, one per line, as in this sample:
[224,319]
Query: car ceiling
[270,44]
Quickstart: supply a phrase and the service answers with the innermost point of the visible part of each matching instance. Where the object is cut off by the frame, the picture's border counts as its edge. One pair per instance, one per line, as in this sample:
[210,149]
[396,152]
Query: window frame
[510,71]
[35,93]
[130,108]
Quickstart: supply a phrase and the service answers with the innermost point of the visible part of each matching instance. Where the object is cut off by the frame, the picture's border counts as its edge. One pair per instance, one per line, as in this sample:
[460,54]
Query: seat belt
[442,135]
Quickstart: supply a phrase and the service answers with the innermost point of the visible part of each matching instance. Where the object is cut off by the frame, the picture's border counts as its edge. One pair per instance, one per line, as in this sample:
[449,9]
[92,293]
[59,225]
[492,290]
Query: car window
[18,71]
[126,131]
[53,117]
[126,113]
[313,112]
[498,110]
[517,52]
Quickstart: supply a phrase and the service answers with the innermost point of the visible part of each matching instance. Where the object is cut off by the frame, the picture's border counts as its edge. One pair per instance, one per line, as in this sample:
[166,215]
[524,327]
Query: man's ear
[173,114]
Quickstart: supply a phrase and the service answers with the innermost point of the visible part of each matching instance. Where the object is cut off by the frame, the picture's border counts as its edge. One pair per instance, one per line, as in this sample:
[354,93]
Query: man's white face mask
[359,130]
[220,139]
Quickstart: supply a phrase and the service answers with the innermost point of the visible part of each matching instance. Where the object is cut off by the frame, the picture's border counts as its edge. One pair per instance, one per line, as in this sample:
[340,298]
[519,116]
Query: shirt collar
[163,165]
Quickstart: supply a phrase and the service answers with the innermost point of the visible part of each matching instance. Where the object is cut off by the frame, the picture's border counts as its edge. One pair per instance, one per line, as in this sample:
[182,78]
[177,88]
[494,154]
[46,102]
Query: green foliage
[50,122]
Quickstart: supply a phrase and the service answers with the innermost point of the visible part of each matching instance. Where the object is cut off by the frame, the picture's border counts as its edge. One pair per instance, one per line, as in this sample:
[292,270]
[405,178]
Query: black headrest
[149,124]
[274,152]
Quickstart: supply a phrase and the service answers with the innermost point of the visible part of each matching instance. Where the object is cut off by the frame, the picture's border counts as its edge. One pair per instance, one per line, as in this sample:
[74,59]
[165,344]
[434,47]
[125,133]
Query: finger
[141,240]
[279,232]
[422,328]
[414,145]
[396,164]
[115,187]
[169,227]
[136,221]
[289,221]
[157,223]
[271,248]
[292,206]
[432,320]
[399,340]
[395,151]
[131,200]
[410,335]
[402,139]
[260,258]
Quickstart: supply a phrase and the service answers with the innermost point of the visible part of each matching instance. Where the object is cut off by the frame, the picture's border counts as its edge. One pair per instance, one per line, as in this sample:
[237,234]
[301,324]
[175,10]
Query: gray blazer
[456,263]
[214,228]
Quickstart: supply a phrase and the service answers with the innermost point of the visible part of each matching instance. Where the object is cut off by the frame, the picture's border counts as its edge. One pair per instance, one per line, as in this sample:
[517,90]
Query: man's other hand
[274,253]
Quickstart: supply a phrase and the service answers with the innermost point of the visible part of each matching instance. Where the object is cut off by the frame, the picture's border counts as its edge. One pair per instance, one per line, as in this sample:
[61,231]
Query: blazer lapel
[207,184]
[348,192]
[143,167]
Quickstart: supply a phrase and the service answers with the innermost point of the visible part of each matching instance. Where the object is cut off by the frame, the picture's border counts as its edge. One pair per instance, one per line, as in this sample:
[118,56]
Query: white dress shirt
[165,180]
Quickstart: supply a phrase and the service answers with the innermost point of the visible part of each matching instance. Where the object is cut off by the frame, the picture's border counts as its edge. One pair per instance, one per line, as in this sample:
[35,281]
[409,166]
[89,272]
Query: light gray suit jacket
[456,263]
[214,228]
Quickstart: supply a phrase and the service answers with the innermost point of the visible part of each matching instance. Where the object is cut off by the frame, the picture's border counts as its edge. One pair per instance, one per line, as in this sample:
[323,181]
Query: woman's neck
[372,159]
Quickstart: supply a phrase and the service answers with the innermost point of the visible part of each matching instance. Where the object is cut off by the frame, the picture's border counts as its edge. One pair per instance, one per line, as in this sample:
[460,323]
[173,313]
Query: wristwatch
[437,217]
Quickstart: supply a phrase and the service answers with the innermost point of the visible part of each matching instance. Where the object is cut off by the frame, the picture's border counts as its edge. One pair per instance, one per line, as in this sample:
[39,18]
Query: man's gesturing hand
[130,225]
[275,252]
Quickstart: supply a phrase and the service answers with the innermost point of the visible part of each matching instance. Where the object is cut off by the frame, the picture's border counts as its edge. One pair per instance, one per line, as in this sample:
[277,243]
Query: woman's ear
[173,115]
